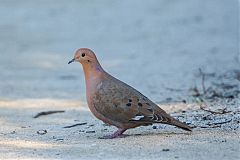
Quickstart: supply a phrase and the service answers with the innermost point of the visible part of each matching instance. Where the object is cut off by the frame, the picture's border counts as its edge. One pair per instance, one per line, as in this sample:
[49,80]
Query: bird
[117,103]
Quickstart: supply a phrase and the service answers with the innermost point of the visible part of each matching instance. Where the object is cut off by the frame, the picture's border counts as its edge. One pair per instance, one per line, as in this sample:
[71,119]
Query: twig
[214,126]
[222,111]
[203,80]
[217,123]
[78,124]
[47,113]
[173,89]
[203,105]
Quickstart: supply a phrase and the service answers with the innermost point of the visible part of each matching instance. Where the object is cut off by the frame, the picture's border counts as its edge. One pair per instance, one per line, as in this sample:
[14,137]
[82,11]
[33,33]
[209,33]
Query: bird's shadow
[165,134]
[160,134]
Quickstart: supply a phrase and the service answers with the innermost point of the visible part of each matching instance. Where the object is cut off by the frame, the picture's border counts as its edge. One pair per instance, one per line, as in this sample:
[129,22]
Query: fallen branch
[47,113]
[78,124]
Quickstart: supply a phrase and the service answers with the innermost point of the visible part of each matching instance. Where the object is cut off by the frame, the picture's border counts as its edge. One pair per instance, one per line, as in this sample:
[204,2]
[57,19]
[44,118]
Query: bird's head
[84,56]
[88,60]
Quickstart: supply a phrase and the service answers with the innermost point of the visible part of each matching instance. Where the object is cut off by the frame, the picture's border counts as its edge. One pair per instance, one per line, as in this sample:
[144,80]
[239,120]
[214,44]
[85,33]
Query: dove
[115,102]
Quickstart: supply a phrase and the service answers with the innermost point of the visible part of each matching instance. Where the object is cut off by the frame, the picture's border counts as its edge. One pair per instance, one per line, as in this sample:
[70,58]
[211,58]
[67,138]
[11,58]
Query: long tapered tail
[179,124]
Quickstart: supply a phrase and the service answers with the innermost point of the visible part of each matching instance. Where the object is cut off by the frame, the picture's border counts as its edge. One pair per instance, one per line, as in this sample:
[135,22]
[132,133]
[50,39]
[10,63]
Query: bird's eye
[83,54]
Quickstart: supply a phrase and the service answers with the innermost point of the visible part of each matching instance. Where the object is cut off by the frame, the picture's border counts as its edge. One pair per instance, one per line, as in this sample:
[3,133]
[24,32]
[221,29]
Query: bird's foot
[117,134]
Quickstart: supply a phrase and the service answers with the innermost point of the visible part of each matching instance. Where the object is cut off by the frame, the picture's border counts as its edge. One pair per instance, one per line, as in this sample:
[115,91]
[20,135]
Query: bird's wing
[120,102]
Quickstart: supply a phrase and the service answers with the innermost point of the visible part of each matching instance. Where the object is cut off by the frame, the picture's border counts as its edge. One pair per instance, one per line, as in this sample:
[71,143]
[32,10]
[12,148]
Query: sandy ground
[156,46]
[20,138]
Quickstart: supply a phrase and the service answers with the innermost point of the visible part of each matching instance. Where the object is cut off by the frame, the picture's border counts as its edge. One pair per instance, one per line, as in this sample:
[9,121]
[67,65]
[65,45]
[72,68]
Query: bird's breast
[92,86]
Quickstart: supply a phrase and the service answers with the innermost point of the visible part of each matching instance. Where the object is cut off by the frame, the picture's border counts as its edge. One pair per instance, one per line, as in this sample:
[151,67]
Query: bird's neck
[92,71]
[93,74]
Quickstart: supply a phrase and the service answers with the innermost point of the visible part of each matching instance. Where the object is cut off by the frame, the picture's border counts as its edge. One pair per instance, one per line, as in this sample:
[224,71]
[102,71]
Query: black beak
[71,61]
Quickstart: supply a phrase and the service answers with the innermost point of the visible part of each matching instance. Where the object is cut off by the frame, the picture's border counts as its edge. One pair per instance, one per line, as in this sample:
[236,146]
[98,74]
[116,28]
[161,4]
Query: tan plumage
[117,103]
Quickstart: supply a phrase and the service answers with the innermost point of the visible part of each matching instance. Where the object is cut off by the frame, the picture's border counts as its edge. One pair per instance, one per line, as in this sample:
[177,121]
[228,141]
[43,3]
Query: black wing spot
[140,104]
[128,104]
[129,100]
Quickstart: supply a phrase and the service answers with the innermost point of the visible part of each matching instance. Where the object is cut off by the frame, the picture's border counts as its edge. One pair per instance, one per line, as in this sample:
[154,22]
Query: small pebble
[165,149]
[90,131]
[188,122]
[41,132]
[59,139]
[154,127]
[104,130]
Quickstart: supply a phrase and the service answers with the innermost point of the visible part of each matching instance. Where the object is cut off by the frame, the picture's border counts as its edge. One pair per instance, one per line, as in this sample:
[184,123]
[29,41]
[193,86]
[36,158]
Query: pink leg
[117,134]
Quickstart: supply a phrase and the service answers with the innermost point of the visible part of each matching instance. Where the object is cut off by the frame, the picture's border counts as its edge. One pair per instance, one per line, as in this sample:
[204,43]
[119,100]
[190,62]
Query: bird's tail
[179,124]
